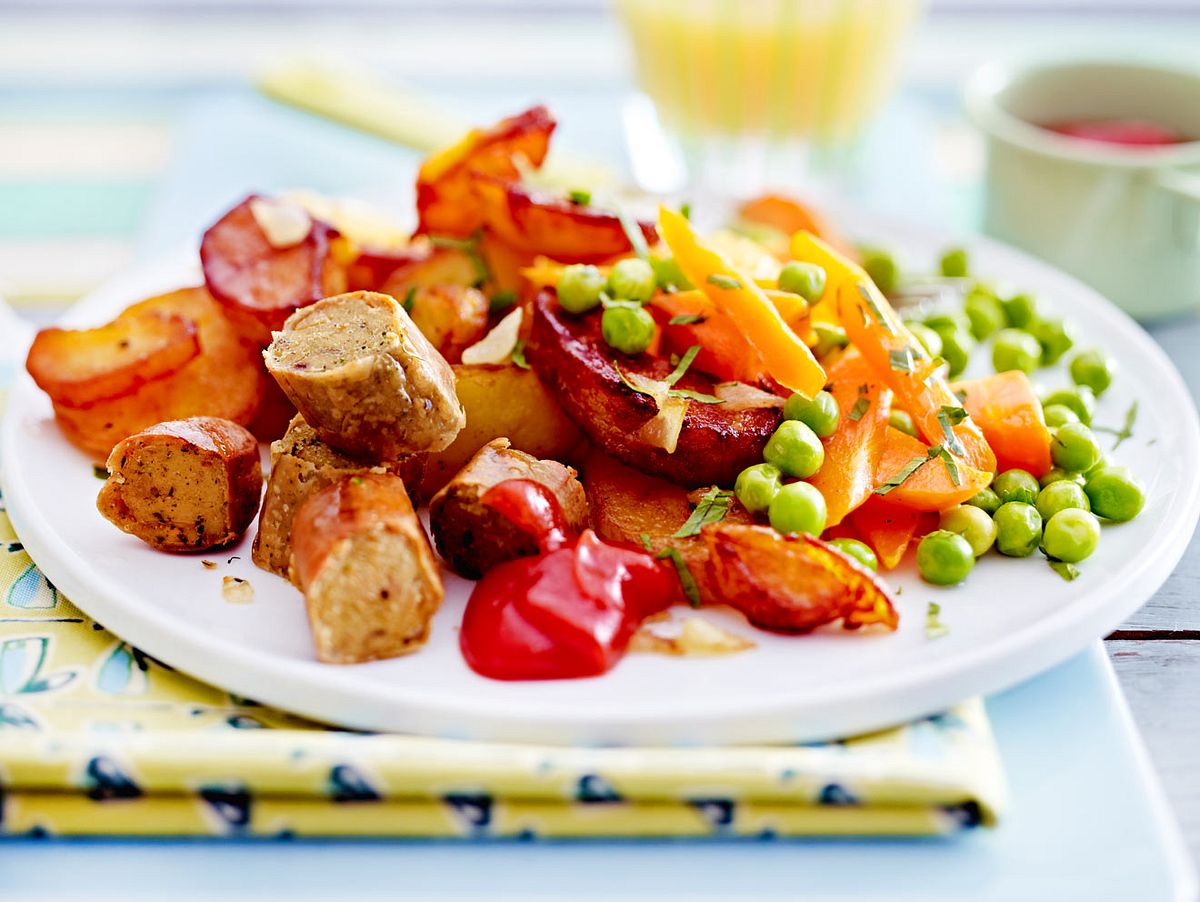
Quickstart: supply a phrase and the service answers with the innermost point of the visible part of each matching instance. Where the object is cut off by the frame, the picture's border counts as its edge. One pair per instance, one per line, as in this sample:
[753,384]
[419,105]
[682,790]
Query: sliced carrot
[888,529]
[839,270]
[854,451]
[724,350]
[920,386]
[1007,409]
[788,215]
[786,356]
[932,486]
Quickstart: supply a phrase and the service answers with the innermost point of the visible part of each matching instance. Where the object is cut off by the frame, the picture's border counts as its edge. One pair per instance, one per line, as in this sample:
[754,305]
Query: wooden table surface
[84,135]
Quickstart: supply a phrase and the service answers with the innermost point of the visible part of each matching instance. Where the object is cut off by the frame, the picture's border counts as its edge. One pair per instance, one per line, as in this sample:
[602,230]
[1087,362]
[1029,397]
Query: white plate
[1012,619]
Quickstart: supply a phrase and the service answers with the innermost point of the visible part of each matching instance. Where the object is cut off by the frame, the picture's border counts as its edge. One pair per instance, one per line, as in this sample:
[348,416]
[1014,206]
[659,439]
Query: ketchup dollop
[1128,132]
[566,612]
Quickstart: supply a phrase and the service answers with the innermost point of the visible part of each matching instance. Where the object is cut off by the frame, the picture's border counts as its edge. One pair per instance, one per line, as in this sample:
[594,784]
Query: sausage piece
[302,464]
[471,536]
[184,485]
[365,378]
[364,564]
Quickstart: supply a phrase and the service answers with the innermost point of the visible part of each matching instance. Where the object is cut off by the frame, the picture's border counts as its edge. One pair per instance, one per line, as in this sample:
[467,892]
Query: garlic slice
[285,224]
[696,637]
[497,346]
[740,396]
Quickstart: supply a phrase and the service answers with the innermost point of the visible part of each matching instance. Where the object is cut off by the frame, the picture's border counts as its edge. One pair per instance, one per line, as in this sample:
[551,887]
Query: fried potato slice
[78,367]
[792,583]
[572,359]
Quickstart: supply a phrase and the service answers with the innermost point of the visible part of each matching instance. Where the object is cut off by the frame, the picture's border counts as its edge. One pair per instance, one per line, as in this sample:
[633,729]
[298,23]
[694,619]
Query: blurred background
[126,126]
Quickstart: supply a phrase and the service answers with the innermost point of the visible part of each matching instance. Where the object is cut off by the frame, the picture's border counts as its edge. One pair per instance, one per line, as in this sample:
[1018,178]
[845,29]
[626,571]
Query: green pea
[795,449]
[628,329]
[1115,493]
[1016,485]
[819,413]
[1061,496]
[1055,336]
[1074,447]
[668,275]
[579,288]
[928,338]
[986,500]
[985,313]
[804,279]
[972,524]
[1092,368]
[1013,349]
[1071,535]
[946,321]
[756,486]
[798,507]
[900,419]
[859,551]
[882,268]
[955,264]
[829,338]
[1059,415]
[1019,310]
[1018,529]
[956,351]
[944,558]
[632,279]
[1058,474]
[1081,400]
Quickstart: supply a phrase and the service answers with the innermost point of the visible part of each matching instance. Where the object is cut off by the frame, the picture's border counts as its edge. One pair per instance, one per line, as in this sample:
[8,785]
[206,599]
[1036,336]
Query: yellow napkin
[98,738]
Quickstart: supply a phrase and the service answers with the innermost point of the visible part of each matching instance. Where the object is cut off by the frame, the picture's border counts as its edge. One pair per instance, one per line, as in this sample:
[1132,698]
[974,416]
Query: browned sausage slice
[184,485]
[365,567]
[472,537]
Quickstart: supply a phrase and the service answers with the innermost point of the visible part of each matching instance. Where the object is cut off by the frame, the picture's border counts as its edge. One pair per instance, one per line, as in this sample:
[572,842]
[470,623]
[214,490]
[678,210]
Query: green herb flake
[501,300]
[934,628]
[468,246]
[949,417]
[682,367]
[1126,431]
[876,311]
[100,471]
[860,408]
[690,395]
[356,480]
[645,537]
[686,581]
[712,508]
[633,233]
[685,319]
[900,478]
[518,354]
[1065,570]
[901,359]
[949,461]
[685,210]
[729,283]
[410,298]
[580,197]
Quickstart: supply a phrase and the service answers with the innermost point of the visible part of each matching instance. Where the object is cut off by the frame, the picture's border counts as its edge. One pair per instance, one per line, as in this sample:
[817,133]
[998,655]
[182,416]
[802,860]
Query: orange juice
[775,69]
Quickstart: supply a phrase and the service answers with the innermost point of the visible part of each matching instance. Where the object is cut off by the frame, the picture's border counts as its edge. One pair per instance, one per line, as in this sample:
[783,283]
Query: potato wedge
[472,537]
[78,367]
[452,317]
[224,381]
[572,359]
[502,402]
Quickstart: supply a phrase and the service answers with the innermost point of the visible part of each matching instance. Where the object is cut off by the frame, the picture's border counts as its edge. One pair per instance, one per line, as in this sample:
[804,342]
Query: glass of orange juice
[766,91]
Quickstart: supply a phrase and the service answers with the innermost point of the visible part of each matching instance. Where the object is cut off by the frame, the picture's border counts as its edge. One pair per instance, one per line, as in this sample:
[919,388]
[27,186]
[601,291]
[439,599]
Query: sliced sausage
[472,537]
[364,564]
[302,464]
[184,485]
[365,378]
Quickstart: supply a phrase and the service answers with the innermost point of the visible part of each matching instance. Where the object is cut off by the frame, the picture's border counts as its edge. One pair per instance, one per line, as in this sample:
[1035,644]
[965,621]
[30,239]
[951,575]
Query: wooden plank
[1175,608]
[1160,680]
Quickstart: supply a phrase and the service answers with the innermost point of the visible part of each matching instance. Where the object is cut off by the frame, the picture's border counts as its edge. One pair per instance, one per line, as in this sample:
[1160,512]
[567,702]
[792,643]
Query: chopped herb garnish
[694,396]
[949,461]
[949,417]
[729,283]
[468,246]
[501,300]
[876,310]
[688,582]
[1126,431]
[410,297]
[518,354]
[685,210]
[356,480]
[900,478]
[633,232]
[1065,570]
[580,197]
[100,471]
[934,628]
[606,302]
[901,359]
[645,537]
[682,367]
[860,408]
[685,319]
[712,508]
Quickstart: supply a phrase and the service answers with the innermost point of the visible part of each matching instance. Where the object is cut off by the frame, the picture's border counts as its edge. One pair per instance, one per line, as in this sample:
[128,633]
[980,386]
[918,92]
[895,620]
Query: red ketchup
[566,612]
[1128,132]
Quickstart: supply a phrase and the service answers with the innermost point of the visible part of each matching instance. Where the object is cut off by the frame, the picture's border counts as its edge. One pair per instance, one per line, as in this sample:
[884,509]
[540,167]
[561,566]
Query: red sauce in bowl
[1125,132]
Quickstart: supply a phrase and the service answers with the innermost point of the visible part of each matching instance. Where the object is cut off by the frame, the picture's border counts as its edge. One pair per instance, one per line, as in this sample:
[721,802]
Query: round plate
[1012,618]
